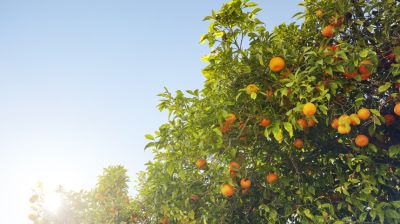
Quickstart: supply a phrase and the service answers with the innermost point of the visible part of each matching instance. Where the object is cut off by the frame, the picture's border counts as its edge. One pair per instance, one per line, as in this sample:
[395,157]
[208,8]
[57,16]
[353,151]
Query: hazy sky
[78,85]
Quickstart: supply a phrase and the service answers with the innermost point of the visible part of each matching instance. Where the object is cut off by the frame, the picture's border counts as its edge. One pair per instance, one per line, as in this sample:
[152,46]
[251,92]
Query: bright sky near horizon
[78,85]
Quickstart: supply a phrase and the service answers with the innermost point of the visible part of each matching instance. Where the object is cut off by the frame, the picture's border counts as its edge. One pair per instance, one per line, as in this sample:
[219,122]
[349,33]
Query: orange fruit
[243,138]
[201,163]
[164,220]
[327,31]
[336,22]
[245,183]
[363,114]
[276,64]
[319,13]
[389,119]
[244,191]
[335,123]
[271,177]
[233,168]
[252,88]
[350,75]
[365,76]
[354,120]
[397,109]
[227,190]
[302,123]
[298,143]
[230,118]
[265,122]
[311,122]
[309,109]
[363,69]
[344,129]
[361,140]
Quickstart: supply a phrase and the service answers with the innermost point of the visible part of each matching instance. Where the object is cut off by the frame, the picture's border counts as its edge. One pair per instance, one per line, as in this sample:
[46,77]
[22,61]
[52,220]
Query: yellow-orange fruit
[164,220]
[298,143]
[396,109]
[335,123]
[302,123]
[311,122]
[389,119]
[309,109]
[201,163]
[319,13]
[265,122]
[354,120]
[252,88]
[227,190]
[233,168]
[327,31]
[344,129]
[245,183]
[277,64]
[363,114]
[361,140]
[230,118]
[271,177]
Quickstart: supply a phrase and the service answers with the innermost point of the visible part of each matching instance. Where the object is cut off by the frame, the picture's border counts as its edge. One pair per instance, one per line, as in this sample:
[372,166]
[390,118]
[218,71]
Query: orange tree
[299,124]
[108,202]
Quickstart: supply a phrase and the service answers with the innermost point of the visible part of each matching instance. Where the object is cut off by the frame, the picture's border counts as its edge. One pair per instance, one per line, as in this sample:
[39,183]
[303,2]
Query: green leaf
[307,212]
[394,150]
[289,128]
[384,87]
[149,137]
[253,96]
[364,53]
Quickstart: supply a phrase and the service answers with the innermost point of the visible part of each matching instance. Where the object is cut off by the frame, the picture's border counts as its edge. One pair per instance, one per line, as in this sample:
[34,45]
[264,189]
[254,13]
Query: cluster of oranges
[334,22]
[229,120]
[228,189]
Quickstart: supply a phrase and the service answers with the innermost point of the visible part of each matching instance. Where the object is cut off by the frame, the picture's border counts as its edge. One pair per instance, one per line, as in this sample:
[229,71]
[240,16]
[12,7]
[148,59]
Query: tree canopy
[300,124]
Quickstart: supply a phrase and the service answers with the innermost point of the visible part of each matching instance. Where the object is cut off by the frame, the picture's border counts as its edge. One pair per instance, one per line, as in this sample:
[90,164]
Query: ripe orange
[363,114]
[354,120]
[389,119]
[271,177]
[245,183]
[298,143]
[227,190]
[252,88]
[234,168]
[335,123]
[365,76]
[363,69]
[350,75]
[164,220]
[276,64]
[319,13]
[361,140]
[201,163]
[302,123]
[344,129]
[311,122]
[336,22]
[230,118]
[397,109]
[265,122]
[309,109]
[327,31]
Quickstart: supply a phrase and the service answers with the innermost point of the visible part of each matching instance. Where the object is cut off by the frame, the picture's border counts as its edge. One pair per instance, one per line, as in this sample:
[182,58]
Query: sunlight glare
[52,201]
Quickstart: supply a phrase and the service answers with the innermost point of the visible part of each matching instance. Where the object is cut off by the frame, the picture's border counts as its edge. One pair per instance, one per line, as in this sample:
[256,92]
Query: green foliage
[329,180]
[108,202]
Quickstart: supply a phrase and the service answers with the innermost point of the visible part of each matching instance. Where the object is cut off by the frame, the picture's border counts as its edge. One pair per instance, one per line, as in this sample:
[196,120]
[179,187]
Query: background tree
[108,202]
[308,113]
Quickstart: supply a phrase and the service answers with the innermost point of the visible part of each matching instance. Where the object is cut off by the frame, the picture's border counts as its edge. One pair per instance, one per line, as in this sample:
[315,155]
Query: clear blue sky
[78,85]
